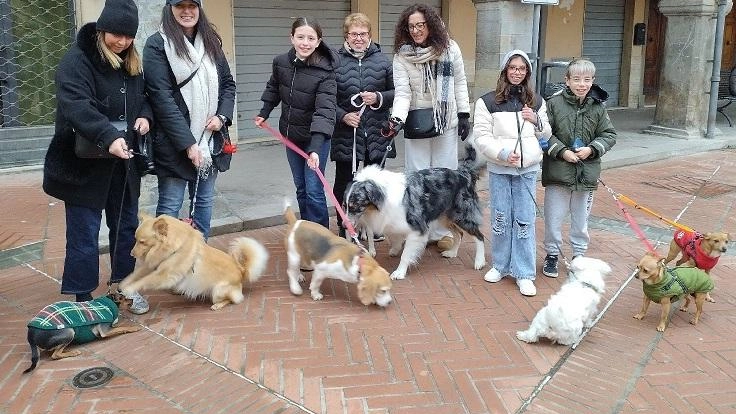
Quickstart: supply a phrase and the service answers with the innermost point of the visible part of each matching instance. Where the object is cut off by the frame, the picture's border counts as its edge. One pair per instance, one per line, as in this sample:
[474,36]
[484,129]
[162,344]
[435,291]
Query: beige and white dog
[310,245]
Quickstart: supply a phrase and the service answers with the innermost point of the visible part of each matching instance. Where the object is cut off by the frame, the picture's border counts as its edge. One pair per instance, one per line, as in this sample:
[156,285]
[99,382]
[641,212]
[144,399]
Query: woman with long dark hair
[192,93]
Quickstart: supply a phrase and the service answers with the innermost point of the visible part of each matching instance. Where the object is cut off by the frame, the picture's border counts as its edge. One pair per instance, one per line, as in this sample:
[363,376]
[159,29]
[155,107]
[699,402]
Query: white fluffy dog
[573,307]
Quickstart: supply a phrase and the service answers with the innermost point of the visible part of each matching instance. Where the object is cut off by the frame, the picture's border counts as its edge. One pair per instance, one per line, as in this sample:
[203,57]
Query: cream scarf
[200,93]
[438,78]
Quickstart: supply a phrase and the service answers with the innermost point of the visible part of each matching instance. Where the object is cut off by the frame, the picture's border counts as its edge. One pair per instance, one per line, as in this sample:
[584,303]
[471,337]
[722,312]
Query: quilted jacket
[571,119]
[372,73]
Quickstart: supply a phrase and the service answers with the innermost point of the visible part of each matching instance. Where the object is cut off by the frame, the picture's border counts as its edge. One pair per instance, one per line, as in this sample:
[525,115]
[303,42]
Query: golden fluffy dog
[311,245]
[698,250]
[172,254]
[665,286]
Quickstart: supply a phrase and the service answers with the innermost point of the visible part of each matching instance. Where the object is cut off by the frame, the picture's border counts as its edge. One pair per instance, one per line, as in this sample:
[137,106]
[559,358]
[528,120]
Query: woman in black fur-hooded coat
[99,81]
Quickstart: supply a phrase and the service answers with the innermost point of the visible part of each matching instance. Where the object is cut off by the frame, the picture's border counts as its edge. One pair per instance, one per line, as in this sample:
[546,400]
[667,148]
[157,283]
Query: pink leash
[632,223]
[348,225]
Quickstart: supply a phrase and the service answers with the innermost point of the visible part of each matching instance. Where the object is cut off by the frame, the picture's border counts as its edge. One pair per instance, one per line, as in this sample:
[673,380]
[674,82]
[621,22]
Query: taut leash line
[328,189]
[632,223]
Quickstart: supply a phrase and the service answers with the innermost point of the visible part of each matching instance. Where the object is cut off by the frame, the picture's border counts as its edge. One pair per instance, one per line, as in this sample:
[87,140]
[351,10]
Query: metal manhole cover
[693,186]
[93,377]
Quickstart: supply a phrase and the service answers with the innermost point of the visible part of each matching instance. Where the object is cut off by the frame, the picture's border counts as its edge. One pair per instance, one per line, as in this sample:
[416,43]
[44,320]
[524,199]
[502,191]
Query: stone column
[682,104]
[502,25]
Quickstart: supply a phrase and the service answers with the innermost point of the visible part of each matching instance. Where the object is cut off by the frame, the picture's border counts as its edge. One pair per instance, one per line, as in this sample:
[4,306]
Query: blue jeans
[513,213]
[171,198]
[82,260]
[310,193]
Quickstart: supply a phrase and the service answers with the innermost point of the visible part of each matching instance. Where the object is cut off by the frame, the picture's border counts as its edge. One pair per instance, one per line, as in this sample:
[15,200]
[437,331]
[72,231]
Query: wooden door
[653,54]
[729,46]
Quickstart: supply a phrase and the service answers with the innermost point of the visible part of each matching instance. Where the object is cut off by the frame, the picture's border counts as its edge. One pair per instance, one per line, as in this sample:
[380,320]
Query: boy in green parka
[581,133]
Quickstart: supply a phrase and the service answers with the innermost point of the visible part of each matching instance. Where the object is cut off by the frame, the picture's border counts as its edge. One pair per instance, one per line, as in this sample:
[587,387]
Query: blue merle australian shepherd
[402,206]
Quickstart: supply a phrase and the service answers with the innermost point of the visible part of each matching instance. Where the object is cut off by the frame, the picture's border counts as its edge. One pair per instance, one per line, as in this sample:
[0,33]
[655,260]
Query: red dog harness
[690,243]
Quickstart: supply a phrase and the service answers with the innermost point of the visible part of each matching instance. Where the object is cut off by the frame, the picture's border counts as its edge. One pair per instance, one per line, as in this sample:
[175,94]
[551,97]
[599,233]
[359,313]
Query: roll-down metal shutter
[603,35]
[389,15]
[262,30]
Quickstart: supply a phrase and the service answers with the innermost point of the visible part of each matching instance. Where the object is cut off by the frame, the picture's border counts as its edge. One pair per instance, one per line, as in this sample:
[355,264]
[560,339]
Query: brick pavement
[446,344]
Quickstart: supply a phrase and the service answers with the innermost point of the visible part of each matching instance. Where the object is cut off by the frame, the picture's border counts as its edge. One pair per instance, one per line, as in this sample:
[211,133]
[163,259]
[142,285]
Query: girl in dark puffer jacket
[303,81]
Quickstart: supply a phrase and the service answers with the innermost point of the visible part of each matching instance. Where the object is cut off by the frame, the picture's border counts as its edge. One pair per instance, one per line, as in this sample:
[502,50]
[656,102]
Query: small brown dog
[698,250]
[310,245]
[666,286]
[61,324]
[171,254]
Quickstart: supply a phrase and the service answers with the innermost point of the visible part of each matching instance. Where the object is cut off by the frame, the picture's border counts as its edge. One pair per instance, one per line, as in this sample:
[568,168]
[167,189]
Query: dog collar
[588,285]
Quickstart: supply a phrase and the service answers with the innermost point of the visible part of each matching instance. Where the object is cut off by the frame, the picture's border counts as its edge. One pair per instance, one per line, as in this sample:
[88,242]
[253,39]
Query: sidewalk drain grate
[693,186]
[93,377]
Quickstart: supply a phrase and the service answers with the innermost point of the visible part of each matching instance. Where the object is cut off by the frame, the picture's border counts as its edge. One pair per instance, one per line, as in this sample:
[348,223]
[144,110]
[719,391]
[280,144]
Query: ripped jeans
[513,213]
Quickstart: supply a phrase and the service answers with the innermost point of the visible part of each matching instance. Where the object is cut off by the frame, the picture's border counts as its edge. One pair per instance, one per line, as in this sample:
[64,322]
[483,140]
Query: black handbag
[85,148]
[222,149]
[420,124]
[144,157]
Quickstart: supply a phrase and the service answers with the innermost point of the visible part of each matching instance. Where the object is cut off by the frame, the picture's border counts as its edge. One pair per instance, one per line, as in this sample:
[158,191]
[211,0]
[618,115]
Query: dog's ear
[367,290]
[375,194]
[161,227]
[143,216]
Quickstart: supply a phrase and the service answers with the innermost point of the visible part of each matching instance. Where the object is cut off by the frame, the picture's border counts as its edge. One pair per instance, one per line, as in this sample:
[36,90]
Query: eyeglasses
[416,27]
[361,35]
[518,69]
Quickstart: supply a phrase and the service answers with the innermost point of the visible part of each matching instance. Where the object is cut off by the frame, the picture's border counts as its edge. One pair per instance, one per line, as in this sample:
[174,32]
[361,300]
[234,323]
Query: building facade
[632,43]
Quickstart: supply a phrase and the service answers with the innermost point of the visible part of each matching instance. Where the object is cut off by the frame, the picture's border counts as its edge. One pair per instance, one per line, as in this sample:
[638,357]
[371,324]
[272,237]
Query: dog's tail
[289,214]
[251,257]
[34,353]
[470,166]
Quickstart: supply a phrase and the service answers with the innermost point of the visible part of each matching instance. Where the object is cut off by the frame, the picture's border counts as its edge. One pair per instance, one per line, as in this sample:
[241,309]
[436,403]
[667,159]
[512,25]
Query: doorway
[653,54]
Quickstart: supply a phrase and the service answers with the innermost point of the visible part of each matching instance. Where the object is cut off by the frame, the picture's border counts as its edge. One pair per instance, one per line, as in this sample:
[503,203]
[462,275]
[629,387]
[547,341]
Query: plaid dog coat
[80,316]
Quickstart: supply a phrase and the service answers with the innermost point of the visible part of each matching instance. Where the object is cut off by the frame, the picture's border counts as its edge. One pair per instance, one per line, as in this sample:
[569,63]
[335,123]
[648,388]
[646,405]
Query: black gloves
[391,127]
[463,125]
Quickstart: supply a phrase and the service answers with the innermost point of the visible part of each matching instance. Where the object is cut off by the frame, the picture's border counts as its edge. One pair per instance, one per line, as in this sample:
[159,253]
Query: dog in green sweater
[666,286]
[64,323]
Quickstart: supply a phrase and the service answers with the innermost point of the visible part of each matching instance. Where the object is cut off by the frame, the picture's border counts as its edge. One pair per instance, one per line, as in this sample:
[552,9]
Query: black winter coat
[307,97]
[89,95]
[173,136]
[373,73]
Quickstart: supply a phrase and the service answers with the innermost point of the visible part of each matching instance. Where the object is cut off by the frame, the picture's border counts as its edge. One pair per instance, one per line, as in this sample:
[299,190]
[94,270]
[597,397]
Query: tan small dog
[311,245]
[698,250]
[666,286]
[172,254]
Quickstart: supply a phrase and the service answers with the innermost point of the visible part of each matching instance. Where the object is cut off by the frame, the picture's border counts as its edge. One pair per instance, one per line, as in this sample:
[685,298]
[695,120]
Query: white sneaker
[493,276]
[140,304]
[526,287]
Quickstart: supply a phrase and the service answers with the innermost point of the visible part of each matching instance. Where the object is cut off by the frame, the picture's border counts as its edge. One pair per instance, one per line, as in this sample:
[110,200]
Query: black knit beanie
[119,17]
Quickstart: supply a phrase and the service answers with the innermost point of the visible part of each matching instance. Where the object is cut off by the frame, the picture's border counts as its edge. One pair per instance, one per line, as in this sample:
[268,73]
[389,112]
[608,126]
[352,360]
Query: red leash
[632,223]
[348,226]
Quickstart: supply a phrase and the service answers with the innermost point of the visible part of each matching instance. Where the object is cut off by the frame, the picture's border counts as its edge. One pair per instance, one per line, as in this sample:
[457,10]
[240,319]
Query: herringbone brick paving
[446,345]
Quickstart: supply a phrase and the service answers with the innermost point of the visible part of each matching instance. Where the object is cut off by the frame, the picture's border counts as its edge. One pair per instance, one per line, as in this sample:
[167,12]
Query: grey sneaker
[140,304]
[550,266]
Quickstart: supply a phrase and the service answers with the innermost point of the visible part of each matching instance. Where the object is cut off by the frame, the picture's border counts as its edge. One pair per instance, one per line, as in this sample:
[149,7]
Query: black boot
[83,297]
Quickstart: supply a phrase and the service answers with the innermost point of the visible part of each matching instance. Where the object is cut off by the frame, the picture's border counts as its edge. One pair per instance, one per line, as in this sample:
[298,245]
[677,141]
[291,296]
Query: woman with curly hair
[429,73]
